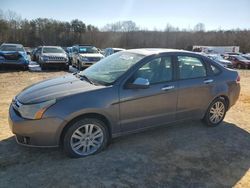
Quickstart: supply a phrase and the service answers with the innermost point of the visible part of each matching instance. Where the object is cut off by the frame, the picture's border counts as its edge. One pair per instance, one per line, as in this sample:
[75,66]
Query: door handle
[208,81]
[167,88]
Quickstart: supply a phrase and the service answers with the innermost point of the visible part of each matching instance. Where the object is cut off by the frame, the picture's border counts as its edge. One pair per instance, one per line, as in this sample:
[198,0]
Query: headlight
[35,111]
[44,58]
[84,59]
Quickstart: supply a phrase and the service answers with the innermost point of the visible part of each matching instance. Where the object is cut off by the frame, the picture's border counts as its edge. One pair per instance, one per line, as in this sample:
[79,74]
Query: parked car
[110,51]
[35,53]
[239,61]
[123,93]
[52,56]
[218,58]
[85,55]
[13,55]
[70,54]
[246,56]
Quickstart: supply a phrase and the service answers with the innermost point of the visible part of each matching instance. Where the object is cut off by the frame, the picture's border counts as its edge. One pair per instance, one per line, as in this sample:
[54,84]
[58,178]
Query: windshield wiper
[82,76]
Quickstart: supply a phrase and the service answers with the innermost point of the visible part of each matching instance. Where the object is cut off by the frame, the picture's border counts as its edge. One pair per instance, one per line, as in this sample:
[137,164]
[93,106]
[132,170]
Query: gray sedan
[126,92]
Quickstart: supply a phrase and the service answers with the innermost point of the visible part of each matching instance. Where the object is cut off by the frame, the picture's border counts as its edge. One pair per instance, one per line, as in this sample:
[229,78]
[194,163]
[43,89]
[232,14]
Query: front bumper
[54,64]
[16,63]
[37,133]
[87,63]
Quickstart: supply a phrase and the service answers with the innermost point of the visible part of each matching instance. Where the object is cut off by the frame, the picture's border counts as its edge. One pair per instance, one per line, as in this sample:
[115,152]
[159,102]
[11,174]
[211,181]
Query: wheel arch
[98,116]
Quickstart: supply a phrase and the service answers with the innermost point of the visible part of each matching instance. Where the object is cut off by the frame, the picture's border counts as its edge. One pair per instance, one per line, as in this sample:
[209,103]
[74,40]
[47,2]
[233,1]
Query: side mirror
[139,83]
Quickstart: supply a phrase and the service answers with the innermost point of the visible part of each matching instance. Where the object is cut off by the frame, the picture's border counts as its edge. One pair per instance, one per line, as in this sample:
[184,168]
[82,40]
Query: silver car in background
[219,59]
[123,93]
[84,56]
[52,57]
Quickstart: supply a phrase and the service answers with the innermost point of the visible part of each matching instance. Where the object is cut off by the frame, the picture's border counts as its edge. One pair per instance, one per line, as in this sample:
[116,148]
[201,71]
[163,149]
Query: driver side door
[154,105]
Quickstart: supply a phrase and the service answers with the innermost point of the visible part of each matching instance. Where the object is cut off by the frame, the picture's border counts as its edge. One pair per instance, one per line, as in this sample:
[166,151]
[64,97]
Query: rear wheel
[239,66]
[216,112]
[85,137]
[79,66]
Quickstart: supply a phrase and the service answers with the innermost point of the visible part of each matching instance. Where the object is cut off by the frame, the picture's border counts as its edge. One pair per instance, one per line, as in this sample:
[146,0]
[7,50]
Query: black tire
[79,125]
[239,66]
[66,68]
[79,67]
[208,116]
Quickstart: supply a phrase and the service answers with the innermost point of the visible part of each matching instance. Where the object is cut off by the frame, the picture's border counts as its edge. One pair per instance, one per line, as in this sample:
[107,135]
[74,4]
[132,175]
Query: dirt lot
[186,154]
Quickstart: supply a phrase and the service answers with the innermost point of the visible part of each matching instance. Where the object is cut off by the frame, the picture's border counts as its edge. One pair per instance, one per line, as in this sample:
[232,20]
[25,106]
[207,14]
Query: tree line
[124,34]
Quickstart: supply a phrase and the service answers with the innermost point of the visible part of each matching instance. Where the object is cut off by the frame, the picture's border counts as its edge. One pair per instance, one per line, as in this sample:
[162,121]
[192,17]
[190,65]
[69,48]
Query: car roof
[52,46]
[12,44]
[153,51]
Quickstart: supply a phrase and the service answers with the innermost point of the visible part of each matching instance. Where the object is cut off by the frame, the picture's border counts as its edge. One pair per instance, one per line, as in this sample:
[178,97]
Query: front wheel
[85,137]
[216,112]
[239,66]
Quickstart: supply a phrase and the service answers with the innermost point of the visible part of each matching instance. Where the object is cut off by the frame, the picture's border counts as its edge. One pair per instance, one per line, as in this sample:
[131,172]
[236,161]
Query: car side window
[156,71]
[215,69]
[39,51]
[190,67]
[75,49]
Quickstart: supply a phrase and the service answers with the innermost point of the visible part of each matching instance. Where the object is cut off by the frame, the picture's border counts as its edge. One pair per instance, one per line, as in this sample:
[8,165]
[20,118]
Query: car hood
[16,53]
[54,89]
[55,54]
[91,55]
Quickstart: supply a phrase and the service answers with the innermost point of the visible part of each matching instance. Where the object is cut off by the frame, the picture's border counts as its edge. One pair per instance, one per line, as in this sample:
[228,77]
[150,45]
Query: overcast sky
[151,14]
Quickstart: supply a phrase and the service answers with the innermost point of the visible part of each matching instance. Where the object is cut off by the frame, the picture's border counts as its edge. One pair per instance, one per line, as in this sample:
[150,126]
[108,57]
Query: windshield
[52,50]
[112,67]
[87,49]
[12,48]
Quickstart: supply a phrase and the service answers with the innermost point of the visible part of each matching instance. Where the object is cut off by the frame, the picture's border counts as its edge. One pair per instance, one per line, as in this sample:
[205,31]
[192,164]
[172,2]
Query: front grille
[56,58]
[94,58]
[14,56]
[23,139]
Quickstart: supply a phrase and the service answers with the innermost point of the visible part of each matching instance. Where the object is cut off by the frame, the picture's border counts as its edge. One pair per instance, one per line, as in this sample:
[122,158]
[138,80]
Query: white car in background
[219,59]
[110,51]
[84,56]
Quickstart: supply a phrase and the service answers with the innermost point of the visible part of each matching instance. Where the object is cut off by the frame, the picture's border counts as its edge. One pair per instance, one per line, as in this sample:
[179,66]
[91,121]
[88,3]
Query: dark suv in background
[239,62]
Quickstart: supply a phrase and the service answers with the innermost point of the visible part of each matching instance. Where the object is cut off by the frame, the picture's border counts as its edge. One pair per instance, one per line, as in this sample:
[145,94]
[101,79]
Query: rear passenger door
[195,87]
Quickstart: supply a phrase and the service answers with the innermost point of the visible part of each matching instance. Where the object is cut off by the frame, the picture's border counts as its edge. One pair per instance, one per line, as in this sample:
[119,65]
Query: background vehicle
[239,61]
[70,54]
[52,56]
[123,93]
[109,51]
[13,55]
[85,55]
[218,58]
[35,53]
[246,56]
[231,50]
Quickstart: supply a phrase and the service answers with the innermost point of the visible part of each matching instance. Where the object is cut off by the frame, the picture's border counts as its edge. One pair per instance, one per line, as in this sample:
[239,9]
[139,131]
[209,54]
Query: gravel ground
[186,154]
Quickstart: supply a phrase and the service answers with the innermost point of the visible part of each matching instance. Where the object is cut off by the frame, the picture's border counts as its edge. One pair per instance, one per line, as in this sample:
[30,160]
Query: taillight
[238,79]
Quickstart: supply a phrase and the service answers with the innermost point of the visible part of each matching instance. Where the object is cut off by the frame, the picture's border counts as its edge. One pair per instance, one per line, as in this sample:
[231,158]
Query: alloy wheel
[87,139]
[217,112]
